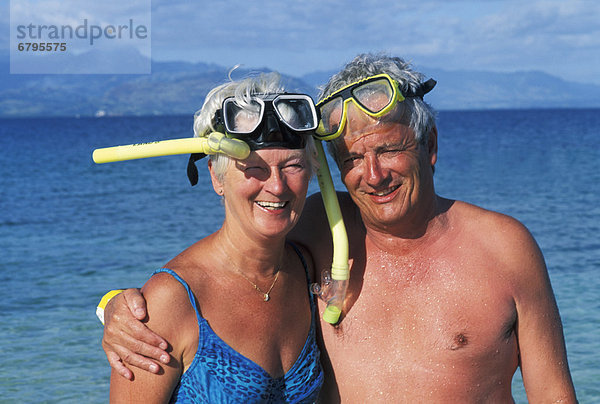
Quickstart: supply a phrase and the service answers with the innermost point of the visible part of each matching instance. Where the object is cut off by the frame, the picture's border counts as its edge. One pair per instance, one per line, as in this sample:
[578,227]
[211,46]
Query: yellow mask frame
[349,93]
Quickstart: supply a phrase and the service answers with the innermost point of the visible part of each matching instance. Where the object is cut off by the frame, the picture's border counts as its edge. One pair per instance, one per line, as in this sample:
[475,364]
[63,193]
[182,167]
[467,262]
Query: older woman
[235,306]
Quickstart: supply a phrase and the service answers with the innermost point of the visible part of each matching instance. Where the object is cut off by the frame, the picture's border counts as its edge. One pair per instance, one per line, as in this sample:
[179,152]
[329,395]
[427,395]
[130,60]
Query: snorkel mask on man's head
[376,96]
[262,121]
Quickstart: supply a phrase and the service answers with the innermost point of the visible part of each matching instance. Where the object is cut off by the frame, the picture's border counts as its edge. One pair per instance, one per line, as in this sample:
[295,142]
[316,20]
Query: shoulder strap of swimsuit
[305,265]
[191,295]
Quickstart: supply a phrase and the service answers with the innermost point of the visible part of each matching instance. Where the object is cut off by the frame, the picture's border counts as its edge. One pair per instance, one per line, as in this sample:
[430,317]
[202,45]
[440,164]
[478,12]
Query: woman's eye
[254,170]
[293,168]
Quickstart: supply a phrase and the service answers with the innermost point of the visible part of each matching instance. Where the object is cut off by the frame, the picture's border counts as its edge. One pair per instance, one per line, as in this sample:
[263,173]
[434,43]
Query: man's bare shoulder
[503,238]
[314,204]
[491,223]
[313,226]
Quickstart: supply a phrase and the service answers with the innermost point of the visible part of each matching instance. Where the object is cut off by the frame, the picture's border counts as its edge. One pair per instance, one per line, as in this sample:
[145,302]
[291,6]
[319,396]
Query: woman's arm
[170,314]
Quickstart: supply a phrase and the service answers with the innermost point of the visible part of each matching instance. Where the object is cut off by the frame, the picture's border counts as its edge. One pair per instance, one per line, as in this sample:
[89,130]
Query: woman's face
[265,193]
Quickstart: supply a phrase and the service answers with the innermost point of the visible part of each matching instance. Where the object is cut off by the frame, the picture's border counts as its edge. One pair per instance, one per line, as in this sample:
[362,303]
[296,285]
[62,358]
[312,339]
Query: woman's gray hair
[420,116]
[242,90]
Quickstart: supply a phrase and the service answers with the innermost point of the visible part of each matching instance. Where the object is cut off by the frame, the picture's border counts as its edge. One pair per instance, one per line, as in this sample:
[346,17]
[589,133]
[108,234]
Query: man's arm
[169,312]
[127,340]
[543,356]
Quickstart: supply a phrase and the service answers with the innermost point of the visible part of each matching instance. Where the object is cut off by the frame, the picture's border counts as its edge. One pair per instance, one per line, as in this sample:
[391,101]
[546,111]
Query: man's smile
[384,192]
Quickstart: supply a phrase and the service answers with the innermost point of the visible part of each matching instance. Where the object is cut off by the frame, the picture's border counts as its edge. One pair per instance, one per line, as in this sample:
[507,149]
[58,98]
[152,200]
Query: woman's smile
[271,205]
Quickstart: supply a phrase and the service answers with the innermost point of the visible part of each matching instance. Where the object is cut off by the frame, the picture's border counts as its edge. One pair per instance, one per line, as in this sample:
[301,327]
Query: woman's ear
[217,185]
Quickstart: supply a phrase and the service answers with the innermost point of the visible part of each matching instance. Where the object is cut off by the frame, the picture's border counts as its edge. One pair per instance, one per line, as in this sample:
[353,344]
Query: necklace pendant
[266,297]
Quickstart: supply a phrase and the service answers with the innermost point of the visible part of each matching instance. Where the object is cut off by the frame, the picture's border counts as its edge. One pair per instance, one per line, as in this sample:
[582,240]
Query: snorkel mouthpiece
[219,143]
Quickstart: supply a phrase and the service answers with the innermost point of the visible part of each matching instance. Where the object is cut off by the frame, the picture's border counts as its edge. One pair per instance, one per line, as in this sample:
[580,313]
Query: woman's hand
[127,340]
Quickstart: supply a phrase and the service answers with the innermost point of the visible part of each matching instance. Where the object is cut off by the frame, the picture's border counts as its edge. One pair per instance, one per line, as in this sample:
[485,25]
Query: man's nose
[374,173]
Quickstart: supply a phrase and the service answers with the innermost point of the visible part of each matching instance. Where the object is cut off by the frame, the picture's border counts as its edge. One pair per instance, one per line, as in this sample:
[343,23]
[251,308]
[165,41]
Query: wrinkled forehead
[272,156]
[359,124]
[378,133]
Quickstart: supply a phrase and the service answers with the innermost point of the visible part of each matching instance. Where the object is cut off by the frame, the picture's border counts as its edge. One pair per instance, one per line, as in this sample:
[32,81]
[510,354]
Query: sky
[559,37]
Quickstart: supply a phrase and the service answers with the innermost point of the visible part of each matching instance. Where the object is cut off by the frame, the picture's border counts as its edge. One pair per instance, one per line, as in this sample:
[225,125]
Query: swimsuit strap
[185,285]
[305,265]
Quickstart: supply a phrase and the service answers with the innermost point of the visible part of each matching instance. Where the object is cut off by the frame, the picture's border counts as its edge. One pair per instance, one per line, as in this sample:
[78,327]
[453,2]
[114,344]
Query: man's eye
[392,151]
[352,160]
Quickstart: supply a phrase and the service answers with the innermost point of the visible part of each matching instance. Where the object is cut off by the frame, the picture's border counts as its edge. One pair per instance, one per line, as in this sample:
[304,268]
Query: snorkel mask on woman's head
[269,120]
[264,120]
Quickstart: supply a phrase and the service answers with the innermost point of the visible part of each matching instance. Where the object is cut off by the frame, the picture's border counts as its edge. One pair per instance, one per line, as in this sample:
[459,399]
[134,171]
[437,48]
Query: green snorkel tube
[333,288]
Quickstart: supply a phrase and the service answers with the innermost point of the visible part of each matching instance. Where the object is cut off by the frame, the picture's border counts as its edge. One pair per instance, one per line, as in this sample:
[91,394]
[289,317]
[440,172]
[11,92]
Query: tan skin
[252,239]
[452,298]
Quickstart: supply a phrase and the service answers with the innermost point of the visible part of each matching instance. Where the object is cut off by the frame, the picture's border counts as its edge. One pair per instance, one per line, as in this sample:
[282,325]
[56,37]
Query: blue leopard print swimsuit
[219,374]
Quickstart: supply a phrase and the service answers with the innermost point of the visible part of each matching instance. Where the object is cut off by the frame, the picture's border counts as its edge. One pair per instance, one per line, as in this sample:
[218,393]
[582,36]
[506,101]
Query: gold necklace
[266,295]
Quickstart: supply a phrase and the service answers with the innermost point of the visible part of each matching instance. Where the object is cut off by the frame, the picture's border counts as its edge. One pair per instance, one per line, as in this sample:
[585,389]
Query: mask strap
[192,170]
[423,89]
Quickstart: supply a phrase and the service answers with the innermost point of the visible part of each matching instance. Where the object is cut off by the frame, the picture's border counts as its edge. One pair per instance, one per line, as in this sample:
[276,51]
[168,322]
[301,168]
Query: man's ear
[217,185]
[432,146]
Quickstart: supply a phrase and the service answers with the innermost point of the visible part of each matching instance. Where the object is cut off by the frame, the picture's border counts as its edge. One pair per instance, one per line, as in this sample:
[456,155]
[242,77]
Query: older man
[446,300]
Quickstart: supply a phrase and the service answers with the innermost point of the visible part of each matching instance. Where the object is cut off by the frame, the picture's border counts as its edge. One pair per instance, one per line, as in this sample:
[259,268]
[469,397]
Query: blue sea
[70,229]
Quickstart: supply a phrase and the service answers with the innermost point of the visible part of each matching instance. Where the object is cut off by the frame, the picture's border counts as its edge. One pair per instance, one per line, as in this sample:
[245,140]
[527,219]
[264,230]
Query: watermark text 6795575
[80,37]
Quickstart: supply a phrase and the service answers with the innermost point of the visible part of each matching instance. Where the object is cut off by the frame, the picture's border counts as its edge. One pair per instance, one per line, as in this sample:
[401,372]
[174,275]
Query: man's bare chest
[426,308]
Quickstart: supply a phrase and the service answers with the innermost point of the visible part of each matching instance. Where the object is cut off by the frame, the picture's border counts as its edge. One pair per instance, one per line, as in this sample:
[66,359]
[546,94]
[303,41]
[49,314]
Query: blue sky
[297,37]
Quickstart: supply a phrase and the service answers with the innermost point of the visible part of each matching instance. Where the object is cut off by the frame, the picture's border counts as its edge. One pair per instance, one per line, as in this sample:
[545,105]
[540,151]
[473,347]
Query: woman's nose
[275,183]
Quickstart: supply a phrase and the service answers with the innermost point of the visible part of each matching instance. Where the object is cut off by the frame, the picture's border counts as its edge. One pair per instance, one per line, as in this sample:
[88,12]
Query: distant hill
[460,90]
[473,90]
[180,88]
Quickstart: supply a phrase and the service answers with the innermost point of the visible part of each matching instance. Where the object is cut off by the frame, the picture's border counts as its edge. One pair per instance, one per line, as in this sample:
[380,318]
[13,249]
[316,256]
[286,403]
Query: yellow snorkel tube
[214,143]
[333,289]
[333,286]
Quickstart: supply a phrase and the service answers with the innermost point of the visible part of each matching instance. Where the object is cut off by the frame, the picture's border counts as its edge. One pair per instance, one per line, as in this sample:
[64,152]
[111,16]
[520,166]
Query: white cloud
[302,36]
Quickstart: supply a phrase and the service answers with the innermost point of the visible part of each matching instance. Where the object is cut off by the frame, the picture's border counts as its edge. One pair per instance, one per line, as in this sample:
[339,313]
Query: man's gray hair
[417,114]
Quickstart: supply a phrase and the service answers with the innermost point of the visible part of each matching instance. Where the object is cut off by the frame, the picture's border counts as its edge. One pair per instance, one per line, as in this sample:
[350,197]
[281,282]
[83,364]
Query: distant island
[176,88]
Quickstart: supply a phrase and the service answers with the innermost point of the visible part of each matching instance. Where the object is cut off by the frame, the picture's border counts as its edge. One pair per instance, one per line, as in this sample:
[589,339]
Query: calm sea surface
[71,230]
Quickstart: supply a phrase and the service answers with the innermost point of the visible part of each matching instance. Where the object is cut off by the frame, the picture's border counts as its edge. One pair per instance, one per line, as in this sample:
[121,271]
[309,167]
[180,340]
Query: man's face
[386,171]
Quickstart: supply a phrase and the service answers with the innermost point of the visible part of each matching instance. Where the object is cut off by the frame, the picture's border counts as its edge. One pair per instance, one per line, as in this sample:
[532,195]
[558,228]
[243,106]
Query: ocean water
[70,230]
